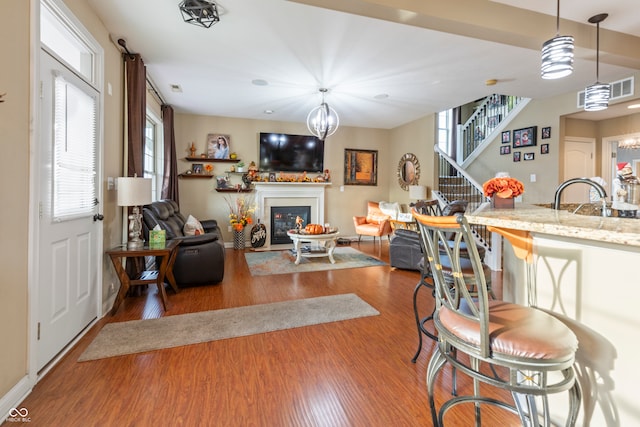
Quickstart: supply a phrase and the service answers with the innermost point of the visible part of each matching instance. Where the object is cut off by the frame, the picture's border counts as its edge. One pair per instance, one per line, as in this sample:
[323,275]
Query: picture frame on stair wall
[506,137]
[525,137]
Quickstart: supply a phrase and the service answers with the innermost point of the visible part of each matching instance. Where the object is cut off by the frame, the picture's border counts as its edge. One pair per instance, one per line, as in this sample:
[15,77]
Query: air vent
[619,89]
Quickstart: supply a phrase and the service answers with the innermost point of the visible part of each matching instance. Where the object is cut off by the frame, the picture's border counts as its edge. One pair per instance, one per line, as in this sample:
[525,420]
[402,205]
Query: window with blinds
[74,152]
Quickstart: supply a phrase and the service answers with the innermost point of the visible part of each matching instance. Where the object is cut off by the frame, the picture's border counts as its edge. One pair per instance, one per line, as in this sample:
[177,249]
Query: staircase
[487,122]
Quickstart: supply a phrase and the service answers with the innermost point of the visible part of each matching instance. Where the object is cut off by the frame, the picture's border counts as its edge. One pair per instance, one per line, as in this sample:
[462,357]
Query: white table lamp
[417,192]
[134,192]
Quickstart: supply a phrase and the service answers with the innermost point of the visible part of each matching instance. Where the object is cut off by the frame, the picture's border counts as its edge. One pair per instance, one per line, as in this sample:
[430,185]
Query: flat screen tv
[281,152]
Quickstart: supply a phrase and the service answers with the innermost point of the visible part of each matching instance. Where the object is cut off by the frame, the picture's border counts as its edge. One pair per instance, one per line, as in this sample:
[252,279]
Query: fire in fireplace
[283,219]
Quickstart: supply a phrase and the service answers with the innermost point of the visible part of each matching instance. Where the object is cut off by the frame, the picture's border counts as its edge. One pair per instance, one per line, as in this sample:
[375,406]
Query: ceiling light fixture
[557,54]
[199,12]
[323,120]
[596,96]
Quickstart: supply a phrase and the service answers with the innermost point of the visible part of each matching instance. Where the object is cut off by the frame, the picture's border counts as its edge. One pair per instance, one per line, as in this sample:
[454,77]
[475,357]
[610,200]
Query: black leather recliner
[200,259]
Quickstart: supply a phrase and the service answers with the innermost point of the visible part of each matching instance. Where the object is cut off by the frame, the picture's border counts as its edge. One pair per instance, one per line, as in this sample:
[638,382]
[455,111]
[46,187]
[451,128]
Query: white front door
[68,233]
[579,162]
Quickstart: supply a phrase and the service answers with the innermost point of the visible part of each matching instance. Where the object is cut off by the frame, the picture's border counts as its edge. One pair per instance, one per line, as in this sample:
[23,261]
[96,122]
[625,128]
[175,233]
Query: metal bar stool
[432,208]
[509,346]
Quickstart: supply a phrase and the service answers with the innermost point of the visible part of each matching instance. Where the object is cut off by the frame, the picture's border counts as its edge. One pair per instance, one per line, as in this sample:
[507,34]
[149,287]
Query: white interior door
[68,233]
[579,162]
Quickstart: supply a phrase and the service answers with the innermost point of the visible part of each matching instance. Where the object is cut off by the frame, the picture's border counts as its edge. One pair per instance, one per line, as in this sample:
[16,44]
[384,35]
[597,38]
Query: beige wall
[554,112]
[416,137]
[14,172]
[199,198]
[15,116]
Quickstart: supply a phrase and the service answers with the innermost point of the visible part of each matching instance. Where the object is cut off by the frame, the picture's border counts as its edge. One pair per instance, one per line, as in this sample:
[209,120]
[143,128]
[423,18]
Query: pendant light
[199,12]
[323,120]
[557,54]
[596,96]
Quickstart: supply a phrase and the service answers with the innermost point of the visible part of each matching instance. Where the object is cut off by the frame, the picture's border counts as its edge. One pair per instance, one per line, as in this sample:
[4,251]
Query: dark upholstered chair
[375,223]
[200,258]
[517,348]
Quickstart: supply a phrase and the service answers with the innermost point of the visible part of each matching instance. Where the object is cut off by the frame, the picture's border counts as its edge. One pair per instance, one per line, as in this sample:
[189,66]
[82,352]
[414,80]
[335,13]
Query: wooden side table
[165,270]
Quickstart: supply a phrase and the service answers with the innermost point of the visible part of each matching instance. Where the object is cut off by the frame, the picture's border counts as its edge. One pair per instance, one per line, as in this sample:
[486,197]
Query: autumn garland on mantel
[503,187]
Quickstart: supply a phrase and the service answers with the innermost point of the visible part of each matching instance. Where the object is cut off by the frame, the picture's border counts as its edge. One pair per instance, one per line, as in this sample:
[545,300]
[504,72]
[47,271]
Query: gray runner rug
[137,336]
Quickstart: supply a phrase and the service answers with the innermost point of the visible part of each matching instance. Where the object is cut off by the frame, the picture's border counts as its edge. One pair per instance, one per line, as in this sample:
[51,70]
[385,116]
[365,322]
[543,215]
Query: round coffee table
[326,244]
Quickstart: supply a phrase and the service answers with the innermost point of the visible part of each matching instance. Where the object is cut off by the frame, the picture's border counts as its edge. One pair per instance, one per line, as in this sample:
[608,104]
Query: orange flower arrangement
[240,212]
[503,187]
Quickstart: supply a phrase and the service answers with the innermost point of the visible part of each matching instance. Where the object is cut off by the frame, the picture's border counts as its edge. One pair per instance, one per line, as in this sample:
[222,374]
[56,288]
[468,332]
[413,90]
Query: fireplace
[283,219]
[278,194]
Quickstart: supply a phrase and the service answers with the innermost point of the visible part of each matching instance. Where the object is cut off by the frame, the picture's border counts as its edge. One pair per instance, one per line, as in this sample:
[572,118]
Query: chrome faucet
[601,191]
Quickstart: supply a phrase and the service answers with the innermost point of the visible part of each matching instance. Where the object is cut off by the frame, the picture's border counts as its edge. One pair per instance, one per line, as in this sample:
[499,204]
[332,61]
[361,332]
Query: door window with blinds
[74,167]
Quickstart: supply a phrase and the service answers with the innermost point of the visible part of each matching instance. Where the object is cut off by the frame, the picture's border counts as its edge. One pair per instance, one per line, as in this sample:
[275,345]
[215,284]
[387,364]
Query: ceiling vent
[619,89]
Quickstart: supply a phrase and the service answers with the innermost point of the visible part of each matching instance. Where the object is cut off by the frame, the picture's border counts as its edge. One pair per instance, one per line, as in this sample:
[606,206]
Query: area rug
[137,336]
[282,262]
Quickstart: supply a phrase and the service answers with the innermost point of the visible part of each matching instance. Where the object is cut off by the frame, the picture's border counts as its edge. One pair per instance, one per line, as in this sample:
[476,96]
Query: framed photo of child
[218,146]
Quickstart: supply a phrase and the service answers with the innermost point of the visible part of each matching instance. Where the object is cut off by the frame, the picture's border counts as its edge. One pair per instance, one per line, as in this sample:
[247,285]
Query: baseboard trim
[13,398]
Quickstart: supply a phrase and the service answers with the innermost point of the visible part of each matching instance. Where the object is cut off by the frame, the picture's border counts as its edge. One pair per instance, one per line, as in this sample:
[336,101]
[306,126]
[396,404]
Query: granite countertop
[536,219]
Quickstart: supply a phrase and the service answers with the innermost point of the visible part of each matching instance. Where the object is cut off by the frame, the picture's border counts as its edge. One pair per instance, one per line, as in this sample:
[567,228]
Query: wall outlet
[229,229]
[112,288]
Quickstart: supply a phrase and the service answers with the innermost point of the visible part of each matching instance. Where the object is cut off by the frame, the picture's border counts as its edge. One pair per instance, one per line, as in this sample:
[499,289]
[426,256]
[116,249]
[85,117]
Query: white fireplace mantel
[275,194]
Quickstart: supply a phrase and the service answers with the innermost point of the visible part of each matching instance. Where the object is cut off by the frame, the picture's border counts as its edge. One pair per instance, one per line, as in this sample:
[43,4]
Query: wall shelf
[234,190]
[207,159]
[195,175]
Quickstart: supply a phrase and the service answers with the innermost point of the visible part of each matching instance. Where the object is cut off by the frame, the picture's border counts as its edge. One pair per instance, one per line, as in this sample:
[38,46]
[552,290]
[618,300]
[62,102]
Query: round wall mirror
[408,171]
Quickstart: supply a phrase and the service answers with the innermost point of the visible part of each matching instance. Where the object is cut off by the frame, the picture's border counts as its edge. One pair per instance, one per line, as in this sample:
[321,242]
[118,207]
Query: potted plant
[240,167]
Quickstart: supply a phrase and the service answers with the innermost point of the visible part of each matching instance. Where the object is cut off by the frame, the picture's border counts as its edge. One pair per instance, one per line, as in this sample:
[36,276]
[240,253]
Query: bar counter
[586,269]
[624,231]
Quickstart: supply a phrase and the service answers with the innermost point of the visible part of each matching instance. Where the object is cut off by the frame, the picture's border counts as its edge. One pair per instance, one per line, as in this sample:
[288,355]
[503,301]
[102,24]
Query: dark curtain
[136,76]
[170,173]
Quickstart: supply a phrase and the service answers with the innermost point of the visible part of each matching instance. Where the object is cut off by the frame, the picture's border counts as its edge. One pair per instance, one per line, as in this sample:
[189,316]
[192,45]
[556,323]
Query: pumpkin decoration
[314,229]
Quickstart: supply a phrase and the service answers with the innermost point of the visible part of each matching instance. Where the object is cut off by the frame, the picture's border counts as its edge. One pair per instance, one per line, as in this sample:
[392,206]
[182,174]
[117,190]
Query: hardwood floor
[352,373]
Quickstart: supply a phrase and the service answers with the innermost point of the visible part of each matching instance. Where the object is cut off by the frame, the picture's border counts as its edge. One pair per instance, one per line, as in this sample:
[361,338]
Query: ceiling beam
[495,22]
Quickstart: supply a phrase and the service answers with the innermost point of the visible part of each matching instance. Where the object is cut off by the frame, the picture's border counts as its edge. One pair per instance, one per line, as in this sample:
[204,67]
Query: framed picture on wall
[529,156]
[505,149]
[360,167]
[218,146]
[506,137]
[525,137]
[544,149]
[546,133]
[516,156]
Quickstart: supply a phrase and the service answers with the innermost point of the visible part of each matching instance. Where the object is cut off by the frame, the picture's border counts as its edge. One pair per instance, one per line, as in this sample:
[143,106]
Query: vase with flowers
[240,215]
[502,190]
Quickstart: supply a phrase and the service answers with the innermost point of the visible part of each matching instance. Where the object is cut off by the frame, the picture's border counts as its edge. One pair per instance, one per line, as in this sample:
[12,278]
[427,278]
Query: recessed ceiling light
[175,88]
[268,111]
[633,106]
[259,82]
[381,96]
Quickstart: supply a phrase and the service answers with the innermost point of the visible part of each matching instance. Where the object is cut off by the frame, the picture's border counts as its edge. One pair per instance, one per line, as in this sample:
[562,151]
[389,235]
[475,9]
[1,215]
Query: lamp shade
[417,192]
[596,97]
[557,57]
[134,191]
